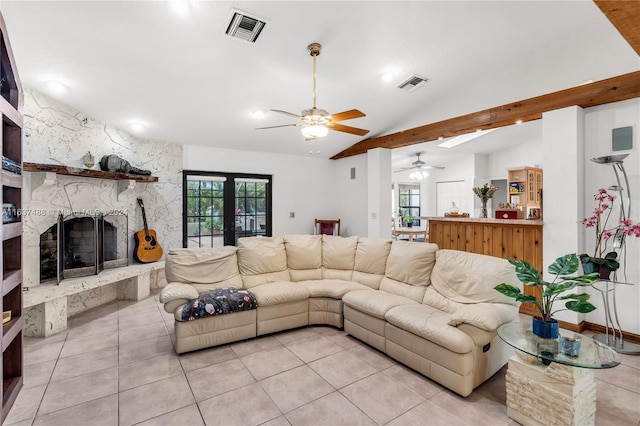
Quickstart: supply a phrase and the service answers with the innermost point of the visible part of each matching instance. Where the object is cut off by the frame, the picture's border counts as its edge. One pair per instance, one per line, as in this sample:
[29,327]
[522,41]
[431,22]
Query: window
[409,201]
[219,208]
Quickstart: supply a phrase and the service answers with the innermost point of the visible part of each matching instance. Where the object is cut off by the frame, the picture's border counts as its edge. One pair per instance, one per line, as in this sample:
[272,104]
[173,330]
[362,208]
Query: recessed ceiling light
[56,86]
[137,127]
[257,113]
[180,7]
[518,121]
[387,76]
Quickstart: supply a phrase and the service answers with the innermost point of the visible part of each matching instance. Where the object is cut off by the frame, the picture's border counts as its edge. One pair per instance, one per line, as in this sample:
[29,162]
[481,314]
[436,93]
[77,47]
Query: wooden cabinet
[525,190]
[11,228]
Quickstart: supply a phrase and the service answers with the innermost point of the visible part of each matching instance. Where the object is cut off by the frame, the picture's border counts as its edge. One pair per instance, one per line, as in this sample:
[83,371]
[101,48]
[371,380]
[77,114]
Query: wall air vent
[244,27]
[413,83]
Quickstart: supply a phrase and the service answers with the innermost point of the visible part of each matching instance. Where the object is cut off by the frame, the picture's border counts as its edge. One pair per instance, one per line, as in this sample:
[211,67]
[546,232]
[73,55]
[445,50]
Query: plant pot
[604,272]
[545,329]
[409,225]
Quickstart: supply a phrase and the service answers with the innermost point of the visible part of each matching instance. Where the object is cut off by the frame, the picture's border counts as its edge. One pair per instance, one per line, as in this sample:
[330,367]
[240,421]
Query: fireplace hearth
[81,244]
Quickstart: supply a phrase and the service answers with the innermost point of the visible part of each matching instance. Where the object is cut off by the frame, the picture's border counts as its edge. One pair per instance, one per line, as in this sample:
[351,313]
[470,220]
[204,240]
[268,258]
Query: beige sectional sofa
[434,310]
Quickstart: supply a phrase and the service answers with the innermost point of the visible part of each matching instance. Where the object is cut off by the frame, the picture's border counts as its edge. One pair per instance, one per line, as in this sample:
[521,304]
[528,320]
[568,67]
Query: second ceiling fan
[317,122]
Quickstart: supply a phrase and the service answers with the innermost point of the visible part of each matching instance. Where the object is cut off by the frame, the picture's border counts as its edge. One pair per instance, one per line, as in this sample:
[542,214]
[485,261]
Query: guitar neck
[144,219]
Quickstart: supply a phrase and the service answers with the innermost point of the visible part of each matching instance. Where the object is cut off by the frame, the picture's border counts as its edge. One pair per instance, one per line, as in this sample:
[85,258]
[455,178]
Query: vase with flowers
[485,193]
[604,259]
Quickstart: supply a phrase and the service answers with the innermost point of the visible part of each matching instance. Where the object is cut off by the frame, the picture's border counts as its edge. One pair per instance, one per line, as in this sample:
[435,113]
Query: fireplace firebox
[81,244]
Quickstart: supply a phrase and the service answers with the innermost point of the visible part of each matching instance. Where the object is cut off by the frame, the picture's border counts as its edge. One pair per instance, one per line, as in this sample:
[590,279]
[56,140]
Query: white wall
[307,186]
[599,122]
[526,153]
[460,170]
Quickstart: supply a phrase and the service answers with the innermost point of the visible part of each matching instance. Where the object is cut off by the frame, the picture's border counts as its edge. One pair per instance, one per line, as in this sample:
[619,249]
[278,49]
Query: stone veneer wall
[58,134]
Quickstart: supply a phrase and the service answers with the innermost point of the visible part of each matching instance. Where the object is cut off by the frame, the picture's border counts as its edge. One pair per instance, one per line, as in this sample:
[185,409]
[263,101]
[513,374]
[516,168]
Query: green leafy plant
[210,223]
[408,219]
[550,292]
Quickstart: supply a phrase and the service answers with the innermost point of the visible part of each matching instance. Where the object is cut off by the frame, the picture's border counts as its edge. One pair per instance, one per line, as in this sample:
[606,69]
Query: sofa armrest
[485,316]
[175,291]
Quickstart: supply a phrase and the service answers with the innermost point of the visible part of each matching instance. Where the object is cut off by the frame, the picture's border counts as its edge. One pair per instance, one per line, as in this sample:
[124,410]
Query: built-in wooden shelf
[90,173]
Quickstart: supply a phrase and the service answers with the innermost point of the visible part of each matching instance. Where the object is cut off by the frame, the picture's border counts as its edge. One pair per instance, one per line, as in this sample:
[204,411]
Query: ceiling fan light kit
[317,122]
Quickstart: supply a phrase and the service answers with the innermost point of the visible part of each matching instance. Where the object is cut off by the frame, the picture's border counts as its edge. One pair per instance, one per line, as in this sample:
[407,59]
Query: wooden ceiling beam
[613,89]
[625,16]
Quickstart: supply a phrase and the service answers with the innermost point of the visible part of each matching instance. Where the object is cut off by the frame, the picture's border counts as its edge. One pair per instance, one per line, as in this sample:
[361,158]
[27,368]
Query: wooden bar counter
[505,238]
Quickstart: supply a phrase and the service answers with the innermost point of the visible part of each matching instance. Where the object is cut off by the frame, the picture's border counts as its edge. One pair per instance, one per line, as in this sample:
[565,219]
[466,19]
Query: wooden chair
[328,227]
[396,223]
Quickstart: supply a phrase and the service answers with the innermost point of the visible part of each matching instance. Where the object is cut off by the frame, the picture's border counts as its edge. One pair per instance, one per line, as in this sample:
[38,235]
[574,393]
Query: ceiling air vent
[244,27]
[412,83]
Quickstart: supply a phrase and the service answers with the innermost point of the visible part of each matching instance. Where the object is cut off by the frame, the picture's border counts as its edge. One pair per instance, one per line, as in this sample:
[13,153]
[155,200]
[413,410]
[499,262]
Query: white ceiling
[125,61]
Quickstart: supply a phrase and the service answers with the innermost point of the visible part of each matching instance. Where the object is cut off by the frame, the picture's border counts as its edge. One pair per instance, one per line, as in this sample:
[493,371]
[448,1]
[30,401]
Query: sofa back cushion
[338,257]
[304,256]
[204,268]
[411,262]
[470,278]
[262,260]
[371,261]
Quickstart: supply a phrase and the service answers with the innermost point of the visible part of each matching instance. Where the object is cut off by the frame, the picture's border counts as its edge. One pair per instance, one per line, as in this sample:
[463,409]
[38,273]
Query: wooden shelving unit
[525,190]
[11,233]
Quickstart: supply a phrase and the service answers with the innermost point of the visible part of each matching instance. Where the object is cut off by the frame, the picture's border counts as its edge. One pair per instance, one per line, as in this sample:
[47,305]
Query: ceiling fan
[316,122]
[419,165]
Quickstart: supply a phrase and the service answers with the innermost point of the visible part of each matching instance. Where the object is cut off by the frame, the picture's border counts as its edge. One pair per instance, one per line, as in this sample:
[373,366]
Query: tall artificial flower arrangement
[603,261]
[485,193]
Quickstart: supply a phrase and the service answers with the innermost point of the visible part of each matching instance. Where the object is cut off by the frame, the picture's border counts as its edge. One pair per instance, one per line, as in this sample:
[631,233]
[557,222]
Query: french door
[219,208]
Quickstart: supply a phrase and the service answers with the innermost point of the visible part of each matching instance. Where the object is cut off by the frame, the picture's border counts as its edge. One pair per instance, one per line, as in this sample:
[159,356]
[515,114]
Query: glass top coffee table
[590,353]
[551,381]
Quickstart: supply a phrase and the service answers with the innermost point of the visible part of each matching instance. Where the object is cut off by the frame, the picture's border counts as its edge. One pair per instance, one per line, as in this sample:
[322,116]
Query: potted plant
[604,262]
[408,220]
[485,193]
[549,292]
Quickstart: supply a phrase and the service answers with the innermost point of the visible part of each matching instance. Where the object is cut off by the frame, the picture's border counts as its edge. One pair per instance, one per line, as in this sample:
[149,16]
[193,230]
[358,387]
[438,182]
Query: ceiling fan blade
[282,125]
[286,113]
[347,115]
[347,129]
[433,167]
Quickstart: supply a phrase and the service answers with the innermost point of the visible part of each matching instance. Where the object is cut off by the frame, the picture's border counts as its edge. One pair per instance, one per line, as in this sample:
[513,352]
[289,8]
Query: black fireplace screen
[80,245]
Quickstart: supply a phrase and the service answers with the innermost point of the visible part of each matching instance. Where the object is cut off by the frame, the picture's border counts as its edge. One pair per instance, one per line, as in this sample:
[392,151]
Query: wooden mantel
[90,173]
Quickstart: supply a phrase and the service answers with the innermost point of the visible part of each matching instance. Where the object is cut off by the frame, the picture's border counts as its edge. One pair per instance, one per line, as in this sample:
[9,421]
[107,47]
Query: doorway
[219,208]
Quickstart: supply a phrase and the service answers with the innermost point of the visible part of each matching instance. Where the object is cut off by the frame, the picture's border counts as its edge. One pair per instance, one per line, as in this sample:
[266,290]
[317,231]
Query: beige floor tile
[89,344]
[36,354]
[278,421]
[427,410]
[135,334]
[35,341]
[186,416]
[294,388]
[206,357]
[26,405]
[270,362]
[381,397]
[70,392]
[415,381]
[154,399]
[99,412]
[313,348]
[139,318]
[88,362]
[622,375]
[290,336]
[342,369]
[38,374]
[333,409]
[229,375]
[90,328]
[246,406]
[150,370]
[170,326]
[479,408]
[343,340]
[145,349]
[630,360]
[108,310]
[373,357]
[616,405]
[248,347]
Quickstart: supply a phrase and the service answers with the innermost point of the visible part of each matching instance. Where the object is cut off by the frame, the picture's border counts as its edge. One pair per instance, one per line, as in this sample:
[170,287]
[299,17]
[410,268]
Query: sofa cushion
[218,302]
[470,278]
[262,260]
[331,288]
[430,324]
[279,292]
[177,291]
[413,292]
[485,316]
[374,302]
[371,255]
[411,263]
[304,256]
[203,266]
[338,256]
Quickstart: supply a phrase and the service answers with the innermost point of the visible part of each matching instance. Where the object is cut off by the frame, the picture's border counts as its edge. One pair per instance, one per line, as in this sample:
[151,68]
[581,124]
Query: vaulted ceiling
[189,82]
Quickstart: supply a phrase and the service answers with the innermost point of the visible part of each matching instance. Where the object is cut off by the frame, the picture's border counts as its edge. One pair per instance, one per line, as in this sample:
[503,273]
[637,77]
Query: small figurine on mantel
[113,163]
[88,160]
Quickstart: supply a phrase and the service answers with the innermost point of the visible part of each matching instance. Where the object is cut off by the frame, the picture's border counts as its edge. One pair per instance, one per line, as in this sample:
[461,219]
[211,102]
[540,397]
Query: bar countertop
[488,220]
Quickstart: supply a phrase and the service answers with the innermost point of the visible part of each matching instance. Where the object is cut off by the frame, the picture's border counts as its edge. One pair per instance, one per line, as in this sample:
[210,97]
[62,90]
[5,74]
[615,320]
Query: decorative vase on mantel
[483,212]
[545,329]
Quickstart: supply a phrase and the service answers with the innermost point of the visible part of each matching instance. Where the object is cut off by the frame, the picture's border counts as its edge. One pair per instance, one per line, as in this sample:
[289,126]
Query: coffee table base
[554,394]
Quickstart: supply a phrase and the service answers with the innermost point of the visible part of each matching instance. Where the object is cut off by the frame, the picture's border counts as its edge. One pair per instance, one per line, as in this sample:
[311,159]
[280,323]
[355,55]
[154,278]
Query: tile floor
[116,366]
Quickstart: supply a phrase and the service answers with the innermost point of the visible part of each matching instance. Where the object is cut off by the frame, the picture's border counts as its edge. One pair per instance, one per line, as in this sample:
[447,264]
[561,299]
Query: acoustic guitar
[147,247]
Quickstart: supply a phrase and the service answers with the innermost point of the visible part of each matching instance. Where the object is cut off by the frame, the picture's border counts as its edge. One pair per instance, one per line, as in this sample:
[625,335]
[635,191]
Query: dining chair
[328,227]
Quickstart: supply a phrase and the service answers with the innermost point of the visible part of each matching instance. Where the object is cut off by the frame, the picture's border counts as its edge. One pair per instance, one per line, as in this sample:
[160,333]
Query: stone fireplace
[82,244]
